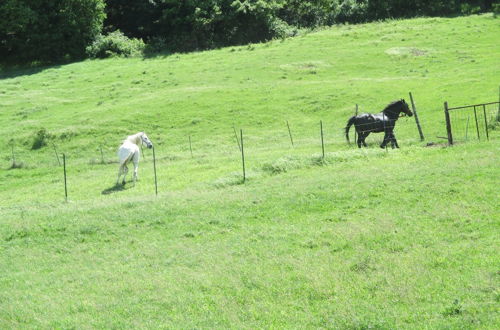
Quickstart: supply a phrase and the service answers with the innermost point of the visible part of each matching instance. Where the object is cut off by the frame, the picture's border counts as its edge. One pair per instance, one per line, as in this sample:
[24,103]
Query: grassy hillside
[366,238]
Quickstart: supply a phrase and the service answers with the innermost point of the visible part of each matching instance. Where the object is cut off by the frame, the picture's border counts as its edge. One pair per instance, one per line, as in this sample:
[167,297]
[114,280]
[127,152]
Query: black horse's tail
[349,124]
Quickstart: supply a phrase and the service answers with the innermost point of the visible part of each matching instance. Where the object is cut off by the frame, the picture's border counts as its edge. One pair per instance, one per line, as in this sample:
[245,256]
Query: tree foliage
[48,30]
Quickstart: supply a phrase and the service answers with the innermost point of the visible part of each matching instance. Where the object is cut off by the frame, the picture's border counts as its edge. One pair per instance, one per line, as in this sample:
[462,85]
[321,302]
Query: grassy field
[363,239]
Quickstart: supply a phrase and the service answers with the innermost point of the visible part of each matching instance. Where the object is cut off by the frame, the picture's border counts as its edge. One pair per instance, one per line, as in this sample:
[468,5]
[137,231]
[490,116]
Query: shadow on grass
[115,188]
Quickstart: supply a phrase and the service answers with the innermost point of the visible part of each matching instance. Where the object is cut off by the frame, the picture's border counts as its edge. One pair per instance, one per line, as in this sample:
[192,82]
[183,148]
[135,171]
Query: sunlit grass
[366,238]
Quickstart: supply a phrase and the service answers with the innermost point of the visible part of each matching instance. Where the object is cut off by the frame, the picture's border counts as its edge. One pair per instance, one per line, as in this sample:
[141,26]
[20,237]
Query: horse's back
[127,150]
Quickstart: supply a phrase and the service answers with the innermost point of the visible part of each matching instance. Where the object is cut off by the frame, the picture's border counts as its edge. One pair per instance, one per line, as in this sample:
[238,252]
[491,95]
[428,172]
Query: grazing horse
[129,151]
[384,121]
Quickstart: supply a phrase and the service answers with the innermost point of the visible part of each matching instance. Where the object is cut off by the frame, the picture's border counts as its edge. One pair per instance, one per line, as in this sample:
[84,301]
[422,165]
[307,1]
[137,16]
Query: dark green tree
[48,30]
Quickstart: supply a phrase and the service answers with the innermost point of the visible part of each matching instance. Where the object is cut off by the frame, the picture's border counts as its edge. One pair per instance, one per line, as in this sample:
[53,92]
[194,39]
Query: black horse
[385,121]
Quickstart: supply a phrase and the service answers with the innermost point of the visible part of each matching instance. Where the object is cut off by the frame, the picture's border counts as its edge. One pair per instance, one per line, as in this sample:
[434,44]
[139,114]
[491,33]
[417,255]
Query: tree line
[51,30]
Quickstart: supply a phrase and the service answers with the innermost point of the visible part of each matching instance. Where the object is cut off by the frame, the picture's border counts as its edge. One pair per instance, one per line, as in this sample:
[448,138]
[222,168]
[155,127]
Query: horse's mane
[392,104]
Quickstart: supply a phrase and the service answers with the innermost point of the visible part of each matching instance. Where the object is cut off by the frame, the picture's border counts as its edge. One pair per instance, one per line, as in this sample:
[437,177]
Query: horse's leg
[395,142]
[136,165]
[386,140]
[392,139]
[120,169]
[365,135]
[360,139]
[125,168]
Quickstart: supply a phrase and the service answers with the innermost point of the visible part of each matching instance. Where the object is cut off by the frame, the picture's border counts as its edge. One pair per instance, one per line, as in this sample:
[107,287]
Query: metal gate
[470,122]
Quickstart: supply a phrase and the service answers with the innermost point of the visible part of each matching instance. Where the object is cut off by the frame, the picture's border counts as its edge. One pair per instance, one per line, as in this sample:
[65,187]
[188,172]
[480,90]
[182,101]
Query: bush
[115,44]
[40,139]
[280,29]
[496,9]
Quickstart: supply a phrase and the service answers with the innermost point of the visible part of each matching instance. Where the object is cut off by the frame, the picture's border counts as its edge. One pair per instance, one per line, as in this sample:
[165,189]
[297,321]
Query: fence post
[242,155]
[416,118]
[498,113]
[236,137]
[102,155]
[477,125]
[384,142]
[154,168]
[467,128]
[13,155]
[322,141]
[57,156]
[289,132]
[448,123]
[356,132]
[65,183]
[190,147]
[486,123]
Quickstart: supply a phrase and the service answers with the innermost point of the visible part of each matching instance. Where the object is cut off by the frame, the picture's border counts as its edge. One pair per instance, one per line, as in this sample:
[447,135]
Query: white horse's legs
[126,154]
[125,170]
[136,166]
[120,169]
[135,172]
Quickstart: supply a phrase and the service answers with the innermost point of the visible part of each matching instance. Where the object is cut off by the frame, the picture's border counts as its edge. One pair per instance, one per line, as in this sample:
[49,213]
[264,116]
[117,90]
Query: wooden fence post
[416,118]
[448,123]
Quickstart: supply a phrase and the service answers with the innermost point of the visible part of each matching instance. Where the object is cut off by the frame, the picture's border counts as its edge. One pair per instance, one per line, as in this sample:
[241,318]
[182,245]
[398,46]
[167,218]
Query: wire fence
[292,135]
[294,138]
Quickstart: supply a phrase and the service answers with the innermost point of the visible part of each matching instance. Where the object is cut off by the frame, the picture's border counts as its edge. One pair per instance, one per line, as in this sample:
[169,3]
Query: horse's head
[146,141]
[405,108]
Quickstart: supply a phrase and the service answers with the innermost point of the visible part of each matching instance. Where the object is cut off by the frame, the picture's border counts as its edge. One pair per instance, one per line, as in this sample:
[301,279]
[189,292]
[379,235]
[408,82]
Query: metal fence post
[448,123]
[416,118]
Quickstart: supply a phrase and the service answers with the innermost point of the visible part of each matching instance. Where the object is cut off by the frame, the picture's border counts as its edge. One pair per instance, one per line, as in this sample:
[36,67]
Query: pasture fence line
[461,119]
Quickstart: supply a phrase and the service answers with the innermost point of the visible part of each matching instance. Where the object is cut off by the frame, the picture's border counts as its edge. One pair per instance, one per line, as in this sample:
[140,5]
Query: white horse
[129,151]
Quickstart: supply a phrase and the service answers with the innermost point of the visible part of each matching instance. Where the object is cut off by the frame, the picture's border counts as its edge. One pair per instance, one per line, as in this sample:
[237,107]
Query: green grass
[364,239]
